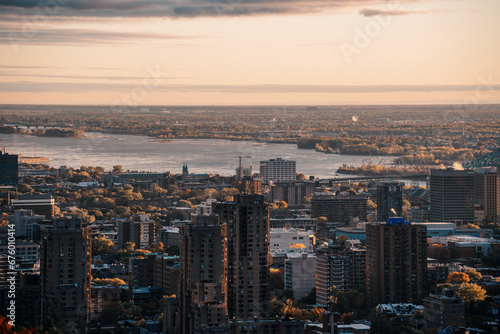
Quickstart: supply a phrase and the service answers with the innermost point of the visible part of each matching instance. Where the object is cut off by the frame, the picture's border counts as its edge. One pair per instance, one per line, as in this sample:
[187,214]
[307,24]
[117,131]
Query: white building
[205,209]
[300,273]
[278,170]
[287,240]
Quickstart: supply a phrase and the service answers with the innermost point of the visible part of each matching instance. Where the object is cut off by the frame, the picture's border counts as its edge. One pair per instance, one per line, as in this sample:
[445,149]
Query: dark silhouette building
[247,222]
[292,193]
[8,169]
[65,274]
[140,231]
[396,262]
[339,208]
[389,200]
[40,204]
[486,193]
[452,196]
[203,265]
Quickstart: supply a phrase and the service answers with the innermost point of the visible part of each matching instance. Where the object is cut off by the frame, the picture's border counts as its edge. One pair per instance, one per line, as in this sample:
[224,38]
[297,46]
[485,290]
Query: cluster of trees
[66,132]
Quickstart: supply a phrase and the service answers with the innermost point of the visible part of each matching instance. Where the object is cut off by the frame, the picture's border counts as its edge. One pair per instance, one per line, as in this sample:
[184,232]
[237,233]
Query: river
[144,153]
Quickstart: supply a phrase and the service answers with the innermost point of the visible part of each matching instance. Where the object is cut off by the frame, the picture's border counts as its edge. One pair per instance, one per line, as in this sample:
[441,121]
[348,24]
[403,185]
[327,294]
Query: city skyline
[250,52]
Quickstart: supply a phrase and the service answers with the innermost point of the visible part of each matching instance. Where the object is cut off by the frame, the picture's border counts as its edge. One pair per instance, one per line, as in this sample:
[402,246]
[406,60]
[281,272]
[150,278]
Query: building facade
[452,196]
[339,208]
[300,273]
[389,200]
[486,193]
[65,274]
[396,262]
[202,290]
[278,170]
[247,222]
[8,169]
[140,231]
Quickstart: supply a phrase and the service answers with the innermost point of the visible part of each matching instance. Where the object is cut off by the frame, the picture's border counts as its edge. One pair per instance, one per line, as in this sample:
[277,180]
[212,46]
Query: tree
[439,252]
[301,177]
[156,247]
[282,205]
[342,237]
[118,169]
[470,293]
[471,226]
[321,221]
[102,245]
[128,247]
[109,281]
[184,204]
[370,205]
[458,278]
[276,279]
[474,275]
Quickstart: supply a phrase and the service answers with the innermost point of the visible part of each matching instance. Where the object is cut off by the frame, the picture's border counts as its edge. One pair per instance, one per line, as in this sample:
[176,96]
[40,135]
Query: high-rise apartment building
[339,266]
[452,196]
[203,265]
[339,208]
[247,222]
[65,274]
[140,231]
[8,169]
[389,200]
[278,170]
[486,192]
[396,262]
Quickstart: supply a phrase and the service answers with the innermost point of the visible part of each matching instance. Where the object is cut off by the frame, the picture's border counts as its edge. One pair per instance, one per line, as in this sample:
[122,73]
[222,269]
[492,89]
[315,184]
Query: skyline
[250,52]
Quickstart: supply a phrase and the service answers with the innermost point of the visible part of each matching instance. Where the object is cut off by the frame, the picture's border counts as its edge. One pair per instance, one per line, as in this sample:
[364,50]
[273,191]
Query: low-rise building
[444,310]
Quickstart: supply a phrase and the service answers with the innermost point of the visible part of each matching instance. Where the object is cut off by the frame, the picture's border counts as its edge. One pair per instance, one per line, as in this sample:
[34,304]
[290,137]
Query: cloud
[77,87]
[174,8]
[368,12]
[55,36]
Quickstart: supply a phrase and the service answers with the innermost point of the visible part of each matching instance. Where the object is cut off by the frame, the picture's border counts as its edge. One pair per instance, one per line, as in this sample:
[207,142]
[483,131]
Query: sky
[249,52]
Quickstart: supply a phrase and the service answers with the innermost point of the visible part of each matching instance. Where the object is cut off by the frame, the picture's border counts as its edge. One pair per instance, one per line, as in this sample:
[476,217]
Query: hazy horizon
[249,52]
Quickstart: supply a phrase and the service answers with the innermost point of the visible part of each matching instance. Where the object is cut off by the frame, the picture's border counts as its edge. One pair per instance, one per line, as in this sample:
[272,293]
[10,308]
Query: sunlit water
[146,154]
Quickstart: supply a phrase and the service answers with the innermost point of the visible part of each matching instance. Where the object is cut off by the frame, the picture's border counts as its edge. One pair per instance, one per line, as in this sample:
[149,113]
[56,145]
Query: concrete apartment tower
[203,265]
[396,262]
[247,222]
[65,274]
[389,200]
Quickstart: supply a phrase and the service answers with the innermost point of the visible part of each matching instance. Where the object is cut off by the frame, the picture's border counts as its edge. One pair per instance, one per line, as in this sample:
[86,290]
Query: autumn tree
[128,247]
[276,279]
[102,245]
[109,281]
[471,293]
[474,275]
[458,278]
[156,247]
[439,252]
